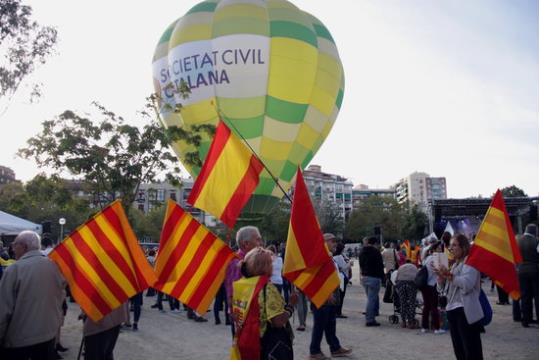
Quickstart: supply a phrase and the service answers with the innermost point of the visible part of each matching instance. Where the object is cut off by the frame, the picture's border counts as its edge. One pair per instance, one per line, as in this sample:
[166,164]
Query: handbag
[442,301]
[396,260]
[276,342]
[487,309]
[421,278]
[388,293]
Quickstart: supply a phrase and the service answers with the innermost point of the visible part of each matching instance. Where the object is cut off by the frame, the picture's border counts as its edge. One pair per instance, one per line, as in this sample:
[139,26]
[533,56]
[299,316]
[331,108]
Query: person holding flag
[462,284]
[259,312]
[247,238]
[325,319]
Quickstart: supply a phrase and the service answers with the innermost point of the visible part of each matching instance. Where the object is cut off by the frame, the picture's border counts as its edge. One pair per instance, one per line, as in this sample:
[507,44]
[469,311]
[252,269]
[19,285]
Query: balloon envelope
[271,71]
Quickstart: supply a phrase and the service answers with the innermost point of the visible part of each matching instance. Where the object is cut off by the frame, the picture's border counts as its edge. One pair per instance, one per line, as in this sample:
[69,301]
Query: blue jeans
[136,302]
[372,288]
[325,321]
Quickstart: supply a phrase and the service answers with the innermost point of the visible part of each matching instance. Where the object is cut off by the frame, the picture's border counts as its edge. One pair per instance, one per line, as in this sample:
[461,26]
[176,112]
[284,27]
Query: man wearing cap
[325,319]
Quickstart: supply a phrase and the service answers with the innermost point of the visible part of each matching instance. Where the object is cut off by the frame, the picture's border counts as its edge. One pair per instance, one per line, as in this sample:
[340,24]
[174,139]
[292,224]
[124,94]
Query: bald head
[24,242]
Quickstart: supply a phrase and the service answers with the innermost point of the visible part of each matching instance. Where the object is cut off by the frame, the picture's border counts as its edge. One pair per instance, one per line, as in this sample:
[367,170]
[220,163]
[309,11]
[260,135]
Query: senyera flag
[191,261]
[307,262]
[227,179]
[103,262]
[495,251]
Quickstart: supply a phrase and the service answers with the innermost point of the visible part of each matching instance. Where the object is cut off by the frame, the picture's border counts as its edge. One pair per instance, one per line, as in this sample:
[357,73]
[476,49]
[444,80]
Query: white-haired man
[31,293]
[247,238]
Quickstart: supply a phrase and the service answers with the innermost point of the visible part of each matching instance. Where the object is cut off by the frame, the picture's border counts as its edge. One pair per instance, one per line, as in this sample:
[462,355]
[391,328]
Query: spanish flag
[191,261]
[495,251]
[227,179]
[407,248]
[307,262]
[103,262]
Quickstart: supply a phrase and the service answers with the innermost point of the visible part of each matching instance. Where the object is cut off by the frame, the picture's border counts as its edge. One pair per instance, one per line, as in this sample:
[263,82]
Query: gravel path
[172,336]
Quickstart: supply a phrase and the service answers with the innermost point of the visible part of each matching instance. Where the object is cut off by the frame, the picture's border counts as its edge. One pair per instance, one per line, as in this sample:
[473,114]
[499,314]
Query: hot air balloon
[271,71]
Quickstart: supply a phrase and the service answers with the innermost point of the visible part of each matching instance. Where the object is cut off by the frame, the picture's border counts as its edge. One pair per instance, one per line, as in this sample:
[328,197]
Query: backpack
[421,278]
[487,309]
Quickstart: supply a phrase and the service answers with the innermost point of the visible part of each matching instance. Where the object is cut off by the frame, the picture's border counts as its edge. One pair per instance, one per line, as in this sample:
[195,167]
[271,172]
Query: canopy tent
[12,225]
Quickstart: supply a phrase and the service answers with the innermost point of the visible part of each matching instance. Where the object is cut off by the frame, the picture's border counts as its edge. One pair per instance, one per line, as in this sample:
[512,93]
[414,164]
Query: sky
[450,88]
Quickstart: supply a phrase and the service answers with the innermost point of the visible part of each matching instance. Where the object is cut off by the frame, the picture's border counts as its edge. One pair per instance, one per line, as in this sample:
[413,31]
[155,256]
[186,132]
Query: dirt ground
[172,336]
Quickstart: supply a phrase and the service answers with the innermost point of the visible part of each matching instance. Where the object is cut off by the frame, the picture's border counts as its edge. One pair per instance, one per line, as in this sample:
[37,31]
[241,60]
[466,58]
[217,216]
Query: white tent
[12,225]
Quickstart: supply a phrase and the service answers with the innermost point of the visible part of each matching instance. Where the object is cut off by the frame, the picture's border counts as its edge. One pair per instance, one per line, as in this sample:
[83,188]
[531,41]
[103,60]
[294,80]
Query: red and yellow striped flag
[495,251]
[103,262]
[407,248]
[228,177]
[307,262]
[191,261]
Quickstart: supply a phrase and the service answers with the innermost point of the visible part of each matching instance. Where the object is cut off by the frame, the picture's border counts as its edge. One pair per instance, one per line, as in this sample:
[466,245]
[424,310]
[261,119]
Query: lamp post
[62,222]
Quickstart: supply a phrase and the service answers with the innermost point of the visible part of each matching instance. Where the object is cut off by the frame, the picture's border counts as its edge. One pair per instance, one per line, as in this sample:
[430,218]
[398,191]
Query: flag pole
[228,123]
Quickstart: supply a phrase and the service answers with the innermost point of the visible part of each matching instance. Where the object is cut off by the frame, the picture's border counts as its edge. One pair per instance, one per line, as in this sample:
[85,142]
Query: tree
[24,44]
[113,157]
[147,226]
[330,217]
[274,225]
[513,191]
[376,211]
[415,223]
[45,199]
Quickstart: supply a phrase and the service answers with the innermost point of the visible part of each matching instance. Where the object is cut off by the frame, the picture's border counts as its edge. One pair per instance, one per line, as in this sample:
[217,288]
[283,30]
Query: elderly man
[31,293]
[247,238]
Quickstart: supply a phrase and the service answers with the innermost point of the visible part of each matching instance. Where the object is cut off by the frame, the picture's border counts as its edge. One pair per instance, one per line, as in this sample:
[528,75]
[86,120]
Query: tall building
[329,188]
[419,188]
[6,175]
[156,194]
[362,192]
[436,188]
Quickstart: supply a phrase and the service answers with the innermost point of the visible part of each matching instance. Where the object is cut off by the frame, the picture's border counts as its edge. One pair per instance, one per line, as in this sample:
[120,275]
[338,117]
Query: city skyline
[447,88]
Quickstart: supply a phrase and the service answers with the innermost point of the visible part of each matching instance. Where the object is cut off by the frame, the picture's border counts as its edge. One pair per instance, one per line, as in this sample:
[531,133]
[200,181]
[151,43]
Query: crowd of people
[257,301]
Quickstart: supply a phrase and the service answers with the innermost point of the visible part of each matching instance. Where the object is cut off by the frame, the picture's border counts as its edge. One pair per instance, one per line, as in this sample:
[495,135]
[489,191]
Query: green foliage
[415,223]
[397,222]
[375,210]
[330,217]
[45,199]
[191,135]
[110,155]
[513,191]
[274,226]
[148,226]
[24,44]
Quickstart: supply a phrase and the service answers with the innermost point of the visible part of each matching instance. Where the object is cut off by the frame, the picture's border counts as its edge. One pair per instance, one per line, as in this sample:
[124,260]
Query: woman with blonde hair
[260,313]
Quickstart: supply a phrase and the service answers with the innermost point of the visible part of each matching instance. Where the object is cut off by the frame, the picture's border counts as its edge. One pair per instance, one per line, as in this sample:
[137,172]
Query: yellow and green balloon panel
[271,70]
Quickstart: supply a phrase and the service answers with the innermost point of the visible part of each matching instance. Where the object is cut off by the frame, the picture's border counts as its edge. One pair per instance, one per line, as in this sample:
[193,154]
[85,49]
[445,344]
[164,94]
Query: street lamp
[62,222]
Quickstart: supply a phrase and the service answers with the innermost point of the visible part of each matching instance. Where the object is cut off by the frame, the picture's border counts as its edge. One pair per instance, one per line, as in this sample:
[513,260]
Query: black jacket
[530,258]
[371,263]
